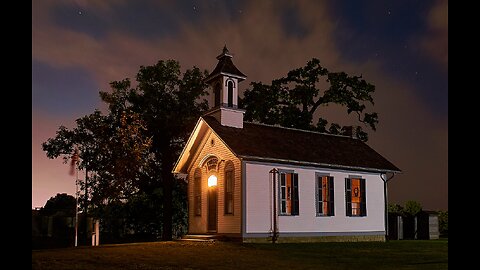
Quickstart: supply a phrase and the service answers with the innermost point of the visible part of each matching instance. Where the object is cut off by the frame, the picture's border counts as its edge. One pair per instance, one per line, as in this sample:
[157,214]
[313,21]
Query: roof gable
[195,143]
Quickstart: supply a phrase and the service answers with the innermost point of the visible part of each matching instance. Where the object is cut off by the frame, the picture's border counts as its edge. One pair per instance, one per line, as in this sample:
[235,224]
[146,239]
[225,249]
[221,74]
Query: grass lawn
[403,254]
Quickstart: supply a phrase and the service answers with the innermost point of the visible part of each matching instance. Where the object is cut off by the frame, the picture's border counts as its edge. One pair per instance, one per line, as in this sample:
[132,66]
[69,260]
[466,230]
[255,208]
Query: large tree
[112,150]
[130,151]
[170,103]
[294,100]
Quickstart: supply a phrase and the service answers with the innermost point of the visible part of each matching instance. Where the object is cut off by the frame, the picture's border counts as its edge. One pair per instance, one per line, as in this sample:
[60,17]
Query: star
[389,12]
[79,13]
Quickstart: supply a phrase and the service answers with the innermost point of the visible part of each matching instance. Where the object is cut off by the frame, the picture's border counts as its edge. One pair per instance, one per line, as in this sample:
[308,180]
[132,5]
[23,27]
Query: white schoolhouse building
[258,183]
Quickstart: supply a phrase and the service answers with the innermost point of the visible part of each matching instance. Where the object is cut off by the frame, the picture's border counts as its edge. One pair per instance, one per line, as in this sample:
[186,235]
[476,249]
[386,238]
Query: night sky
[78,47]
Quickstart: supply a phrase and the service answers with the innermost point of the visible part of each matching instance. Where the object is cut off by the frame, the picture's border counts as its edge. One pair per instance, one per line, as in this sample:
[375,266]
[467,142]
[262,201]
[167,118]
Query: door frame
[212,191]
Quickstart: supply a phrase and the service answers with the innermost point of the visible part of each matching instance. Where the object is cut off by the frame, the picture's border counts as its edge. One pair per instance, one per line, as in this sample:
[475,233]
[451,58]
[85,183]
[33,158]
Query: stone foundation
[313,239]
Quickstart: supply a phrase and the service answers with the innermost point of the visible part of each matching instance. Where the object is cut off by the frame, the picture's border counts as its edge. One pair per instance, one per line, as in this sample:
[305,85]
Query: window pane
[230,94]
[355,195]
[229,204]
[319,194]
[197,190]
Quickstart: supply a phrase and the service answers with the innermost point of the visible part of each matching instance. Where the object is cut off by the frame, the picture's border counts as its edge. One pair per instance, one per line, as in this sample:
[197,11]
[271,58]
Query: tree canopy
[130,150]
[62,204]
[292,101]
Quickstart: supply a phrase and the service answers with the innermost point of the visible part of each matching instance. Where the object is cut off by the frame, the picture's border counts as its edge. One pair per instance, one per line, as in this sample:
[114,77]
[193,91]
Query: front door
[212,209]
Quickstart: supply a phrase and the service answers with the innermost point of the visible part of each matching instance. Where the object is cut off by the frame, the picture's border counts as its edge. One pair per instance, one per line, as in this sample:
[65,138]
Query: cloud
[255,35]
[254,31]
[435,41]
[413,138]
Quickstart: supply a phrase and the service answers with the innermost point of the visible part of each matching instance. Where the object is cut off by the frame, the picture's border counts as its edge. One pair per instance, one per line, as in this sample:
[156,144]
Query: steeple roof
[225,66]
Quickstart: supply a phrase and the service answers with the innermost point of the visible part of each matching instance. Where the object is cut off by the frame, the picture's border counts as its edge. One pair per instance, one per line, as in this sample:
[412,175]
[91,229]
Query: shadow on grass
[402,254]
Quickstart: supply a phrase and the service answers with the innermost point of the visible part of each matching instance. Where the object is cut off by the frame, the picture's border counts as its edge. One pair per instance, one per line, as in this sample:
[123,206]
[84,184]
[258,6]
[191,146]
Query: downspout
[386,201]
[274,173]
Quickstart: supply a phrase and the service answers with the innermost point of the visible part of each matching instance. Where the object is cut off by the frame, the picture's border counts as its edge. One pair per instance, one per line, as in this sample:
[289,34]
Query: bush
[443,223]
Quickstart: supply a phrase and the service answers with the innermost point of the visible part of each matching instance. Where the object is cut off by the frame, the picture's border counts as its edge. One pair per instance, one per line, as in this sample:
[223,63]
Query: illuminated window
[355,196]
[229,187]
[288,194]
[212,181]
[197,190]
[325,195]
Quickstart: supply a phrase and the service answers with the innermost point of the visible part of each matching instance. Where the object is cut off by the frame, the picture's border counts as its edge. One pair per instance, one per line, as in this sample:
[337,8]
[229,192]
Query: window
[355,196]
[230,94]
[212,164]
[288,194]
[216,93]
[197,190]
[325,195]
[229,187]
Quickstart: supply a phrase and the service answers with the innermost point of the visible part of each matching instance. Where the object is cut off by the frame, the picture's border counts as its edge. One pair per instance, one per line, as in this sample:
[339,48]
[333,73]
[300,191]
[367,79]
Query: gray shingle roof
[272,143]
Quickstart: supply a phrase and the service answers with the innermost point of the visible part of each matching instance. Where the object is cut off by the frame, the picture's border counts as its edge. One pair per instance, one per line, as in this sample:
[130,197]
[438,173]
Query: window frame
[331,192]
[362,193]
[197,192]
[294,194]
[230,86]
[229,168]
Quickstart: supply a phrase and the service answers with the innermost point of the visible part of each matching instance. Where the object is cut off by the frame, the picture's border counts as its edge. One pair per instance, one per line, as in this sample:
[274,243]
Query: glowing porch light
[212,181]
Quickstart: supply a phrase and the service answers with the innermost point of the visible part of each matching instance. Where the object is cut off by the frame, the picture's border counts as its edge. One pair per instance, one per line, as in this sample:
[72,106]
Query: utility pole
[86,205]
[74,171]
[76,210]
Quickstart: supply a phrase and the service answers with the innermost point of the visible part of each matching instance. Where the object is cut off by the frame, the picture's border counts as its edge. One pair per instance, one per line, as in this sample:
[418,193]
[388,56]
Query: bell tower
[224,81]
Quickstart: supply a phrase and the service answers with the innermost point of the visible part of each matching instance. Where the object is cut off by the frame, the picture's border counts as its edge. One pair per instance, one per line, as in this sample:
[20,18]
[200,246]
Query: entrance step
[203,237]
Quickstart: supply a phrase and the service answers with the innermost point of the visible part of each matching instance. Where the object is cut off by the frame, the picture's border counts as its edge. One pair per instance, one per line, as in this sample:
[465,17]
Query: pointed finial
[225,53]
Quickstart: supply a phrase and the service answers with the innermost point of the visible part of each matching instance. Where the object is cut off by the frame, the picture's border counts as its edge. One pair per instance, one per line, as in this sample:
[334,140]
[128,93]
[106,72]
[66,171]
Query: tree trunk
[167,201]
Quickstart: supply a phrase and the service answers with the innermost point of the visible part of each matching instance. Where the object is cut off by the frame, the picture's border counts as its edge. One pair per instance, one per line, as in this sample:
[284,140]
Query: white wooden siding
[225,223]
[258,202]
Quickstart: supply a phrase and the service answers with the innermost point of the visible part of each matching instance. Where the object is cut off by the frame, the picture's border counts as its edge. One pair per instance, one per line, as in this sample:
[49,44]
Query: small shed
[395,226]
[427,225]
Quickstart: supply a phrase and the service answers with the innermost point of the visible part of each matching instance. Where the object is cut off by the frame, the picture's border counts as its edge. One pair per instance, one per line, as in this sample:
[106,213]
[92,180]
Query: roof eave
[187,145]
[315,164]
[213,76]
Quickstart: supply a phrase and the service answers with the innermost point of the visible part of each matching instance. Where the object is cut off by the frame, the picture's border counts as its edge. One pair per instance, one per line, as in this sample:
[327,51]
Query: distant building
[253,181]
